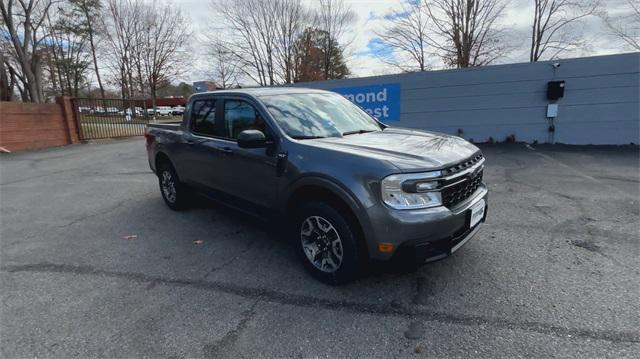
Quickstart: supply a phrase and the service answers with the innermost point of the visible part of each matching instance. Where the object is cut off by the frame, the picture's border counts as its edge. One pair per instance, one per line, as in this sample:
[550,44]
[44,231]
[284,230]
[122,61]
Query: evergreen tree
[311,57]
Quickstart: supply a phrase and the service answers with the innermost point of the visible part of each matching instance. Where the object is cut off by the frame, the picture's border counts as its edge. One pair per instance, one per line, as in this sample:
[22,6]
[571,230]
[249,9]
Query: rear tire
[327,243]
[174,193]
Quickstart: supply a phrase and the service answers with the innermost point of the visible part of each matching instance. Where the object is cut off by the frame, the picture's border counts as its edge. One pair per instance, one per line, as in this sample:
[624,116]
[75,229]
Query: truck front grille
[462,165]
[458,192]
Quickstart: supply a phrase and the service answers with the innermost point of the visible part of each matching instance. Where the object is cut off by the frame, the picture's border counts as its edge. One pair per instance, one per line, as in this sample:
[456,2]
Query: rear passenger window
[203,117]
[239,116]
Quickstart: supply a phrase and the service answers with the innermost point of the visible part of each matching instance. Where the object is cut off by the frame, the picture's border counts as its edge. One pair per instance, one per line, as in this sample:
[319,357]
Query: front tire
[174,193]
[327,244]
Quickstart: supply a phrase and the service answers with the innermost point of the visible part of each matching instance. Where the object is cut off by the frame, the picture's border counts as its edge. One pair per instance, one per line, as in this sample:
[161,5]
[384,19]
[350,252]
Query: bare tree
[291,19]
[625,26]
[89,11]
[10,80]
[467,32]
[121,21]
[553,31]
[67,54]
[23,22]
[6,81]
[224,68]
[250,30]
[262,37]
[162,56]
[334,18]
[266,38]
[407,34]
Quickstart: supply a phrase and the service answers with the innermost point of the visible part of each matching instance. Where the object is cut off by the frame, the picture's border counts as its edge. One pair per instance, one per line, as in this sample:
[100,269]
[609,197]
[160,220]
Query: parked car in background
[138,111]
[350,188]
[130,113]
[163,110]
[177,110]
[84,109]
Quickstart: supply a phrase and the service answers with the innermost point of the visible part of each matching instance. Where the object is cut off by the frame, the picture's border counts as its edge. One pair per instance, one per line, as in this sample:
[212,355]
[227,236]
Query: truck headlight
[412,190]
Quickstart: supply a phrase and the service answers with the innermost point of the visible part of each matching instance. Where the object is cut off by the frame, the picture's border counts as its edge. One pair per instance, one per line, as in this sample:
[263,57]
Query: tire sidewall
[351,261]
[180,200]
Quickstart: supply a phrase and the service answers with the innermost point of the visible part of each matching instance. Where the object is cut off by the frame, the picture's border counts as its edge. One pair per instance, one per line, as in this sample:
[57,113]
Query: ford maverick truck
[349,188]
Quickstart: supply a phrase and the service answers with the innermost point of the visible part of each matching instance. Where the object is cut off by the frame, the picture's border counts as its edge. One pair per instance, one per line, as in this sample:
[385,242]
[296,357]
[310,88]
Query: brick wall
[30,125]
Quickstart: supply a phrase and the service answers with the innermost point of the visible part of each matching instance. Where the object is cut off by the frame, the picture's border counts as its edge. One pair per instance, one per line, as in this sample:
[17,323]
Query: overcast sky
[363,46]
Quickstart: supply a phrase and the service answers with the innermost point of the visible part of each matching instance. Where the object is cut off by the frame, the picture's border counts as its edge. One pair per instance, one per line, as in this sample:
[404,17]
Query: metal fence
[108,118]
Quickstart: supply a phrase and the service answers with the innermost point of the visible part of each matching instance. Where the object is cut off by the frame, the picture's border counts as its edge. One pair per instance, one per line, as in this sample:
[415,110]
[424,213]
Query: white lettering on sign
[368,96]
[381,100]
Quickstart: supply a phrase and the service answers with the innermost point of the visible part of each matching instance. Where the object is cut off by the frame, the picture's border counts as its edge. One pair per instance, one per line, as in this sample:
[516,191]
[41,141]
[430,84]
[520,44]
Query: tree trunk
[32,64]
[152,89]
[5,94]
[95,62]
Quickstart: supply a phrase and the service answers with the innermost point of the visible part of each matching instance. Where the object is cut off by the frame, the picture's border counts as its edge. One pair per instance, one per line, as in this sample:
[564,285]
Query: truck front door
[250,172]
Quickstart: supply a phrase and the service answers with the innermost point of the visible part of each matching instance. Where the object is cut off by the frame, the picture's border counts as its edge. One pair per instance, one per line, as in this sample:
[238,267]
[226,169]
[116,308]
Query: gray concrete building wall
[600,103]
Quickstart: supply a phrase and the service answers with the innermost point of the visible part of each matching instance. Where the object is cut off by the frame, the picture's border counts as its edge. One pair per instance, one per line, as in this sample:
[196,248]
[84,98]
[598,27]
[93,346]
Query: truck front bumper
[423,235]
[418,252]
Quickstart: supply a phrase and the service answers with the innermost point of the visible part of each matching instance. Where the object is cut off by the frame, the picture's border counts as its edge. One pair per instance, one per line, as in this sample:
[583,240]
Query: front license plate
[477,213]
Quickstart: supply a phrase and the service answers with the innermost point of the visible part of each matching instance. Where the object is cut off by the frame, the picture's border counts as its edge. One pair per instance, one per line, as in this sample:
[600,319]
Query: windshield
[317,115]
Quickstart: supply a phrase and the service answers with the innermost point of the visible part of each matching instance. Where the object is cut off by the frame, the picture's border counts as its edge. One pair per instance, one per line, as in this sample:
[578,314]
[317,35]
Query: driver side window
[239,116]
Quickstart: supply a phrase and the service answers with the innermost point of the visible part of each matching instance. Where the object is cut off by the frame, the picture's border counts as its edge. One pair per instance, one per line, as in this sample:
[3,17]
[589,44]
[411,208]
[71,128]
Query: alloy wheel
[321,244]
[168,186]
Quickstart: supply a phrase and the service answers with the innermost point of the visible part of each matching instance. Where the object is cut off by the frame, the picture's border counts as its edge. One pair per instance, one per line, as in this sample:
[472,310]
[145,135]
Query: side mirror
[252,139]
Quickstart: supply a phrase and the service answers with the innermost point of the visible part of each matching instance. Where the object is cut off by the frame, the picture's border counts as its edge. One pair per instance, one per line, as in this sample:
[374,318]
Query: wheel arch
[324,190]
[161,158]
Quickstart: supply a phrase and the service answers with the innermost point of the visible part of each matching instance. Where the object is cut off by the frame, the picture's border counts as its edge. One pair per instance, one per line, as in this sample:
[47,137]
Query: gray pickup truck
[349,188]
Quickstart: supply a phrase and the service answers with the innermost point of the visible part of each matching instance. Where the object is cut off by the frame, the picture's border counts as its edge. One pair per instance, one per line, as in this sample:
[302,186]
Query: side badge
[281,164]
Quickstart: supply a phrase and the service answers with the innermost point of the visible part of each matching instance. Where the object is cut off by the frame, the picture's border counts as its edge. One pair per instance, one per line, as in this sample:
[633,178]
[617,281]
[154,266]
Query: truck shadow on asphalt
[279,234]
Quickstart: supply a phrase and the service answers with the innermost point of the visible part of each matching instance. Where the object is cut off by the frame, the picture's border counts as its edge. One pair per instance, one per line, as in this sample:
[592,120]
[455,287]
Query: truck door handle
[225,149]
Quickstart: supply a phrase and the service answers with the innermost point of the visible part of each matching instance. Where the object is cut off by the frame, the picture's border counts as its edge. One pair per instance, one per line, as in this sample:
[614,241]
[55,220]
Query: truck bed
[173,126]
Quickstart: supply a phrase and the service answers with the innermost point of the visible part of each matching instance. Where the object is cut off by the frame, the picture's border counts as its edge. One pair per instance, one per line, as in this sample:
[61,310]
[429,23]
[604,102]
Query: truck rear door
[202,161]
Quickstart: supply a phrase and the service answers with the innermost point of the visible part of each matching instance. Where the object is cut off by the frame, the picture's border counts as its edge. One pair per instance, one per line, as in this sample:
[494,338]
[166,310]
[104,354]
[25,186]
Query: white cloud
[517,20]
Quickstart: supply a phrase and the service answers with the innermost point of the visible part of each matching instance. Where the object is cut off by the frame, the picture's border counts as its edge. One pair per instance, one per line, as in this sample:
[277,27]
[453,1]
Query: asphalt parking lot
[93,264]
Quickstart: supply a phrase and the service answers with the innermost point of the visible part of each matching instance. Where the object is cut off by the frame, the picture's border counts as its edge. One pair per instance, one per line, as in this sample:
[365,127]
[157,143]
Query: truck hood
[409,150]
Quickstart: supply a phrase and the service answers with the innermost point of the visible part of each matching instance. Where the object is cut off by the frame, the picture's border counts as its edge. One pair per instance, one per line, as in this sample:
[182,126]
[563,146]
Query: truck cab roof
[261,91]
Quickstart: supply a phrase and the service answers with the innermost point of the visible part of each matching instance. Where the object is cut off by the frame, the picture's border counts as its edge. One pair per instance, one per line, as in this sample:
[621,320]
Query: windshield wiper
[306,137]
[356,132]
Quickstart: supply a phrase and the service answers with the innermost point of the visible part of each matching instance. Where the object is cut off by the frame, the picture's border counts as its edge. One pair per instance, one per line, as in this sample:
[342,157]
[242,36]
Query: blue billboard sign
[381,101]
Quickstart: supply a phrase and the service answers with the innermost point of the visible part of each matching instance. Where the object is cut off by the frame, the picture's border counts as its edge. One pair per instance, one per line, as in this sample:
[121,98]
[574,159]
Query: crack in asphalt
[579,173]
[74,169]
[559,228]
[621,179]
[77,220]
[300,300]
[217,348]
[41,176]
[100,213]
[230,261]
